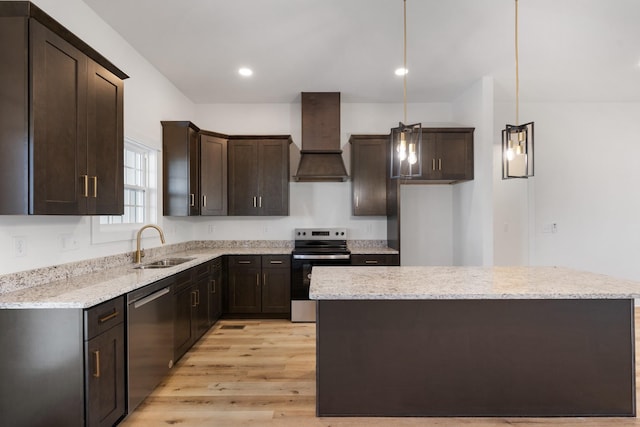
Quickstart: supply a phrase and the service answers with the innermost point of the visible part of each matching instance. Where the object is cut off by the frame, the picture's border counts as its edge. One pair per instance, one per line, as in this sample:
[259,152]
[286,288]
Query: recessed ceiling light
[401,71]
[245,72]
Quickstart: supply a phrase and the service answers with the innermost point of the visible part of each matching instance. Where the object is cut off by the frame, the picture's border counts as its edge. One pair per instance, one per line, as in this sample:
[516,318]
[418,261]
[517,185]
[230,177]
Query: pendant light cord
[517,74]
[404,79]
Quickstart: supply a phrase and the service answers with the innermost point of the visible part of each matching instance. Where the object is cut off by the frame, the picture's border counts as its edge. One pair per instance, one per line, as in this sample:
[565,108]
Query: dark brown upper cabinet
[61,120]
[180,169]
[369,170]
[213,174]
[259,175]
[194,170]
[447,155]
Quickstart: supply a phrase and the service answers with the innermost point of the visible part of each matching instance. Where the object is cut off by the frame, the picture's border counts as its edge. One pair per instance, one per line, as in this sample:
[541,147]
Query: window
[140,195]
[136,177]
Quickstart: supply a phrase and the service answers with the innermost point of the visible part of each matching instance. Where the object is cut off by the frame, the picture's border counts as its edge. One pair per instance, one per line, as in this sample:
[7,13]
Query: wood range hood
[321,156]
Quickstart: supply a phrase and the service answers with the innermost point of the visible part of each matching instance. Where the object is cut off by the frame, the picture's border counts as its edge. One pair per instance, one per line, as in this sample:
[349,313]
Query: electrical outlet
[68,242]
[19,246]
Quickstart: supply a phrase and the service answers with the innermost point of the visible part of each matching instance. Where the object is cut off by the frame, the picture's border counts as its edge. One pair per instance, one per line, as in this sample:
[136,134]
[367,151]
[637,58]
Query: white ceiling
[570,50]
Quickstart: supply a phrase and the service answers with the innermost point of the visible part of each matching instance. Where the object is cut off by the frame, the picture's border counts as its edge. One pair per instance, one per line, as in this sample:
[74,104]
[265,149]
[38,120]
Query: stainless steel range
[313,246]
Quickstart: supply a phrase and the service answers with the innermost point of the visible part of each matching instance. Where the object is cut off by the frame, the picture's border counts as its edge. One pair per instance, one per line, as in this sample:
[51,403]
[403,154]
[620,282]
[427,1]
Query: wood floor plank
[264,375]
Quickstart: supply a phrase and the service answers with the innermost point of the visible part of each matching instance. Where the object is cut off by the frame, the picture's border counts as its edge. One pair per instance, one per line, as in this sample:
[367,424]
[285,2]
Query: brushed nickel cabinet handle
[96,356]
[257,279]
[86,185]
[255,201]
[264,279]
[244,262]
[197,296]
[204,200]
[213,286]
[192,198]
[95,186]
[439,164]
[357,201]
[260,201]
[370,261]
[193,299]
[433,164]
[275,262]
[109,317]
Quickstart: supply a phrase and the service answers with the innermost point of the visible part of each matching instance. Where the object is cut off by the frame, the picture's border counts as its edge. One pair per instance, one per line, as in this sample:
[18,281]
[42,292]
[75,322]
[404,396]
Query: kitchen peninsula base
[477,357]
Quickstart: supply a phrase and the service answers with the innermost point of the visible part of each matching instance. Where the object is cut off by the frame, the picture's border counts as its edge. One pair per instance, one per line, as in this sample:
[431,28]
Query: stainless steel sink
[164,263]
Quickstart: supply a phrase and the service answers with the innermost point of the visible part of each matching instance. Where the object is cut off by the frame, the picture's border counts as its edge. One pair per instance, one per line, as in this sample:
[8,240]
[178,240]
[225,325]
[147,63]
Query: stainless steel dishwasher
[150,313]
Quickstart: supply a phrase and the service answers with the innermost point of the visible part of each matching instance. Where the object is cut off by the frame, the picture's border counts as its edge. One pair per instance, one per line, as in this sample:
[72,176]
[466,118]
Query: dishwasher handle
[152,297]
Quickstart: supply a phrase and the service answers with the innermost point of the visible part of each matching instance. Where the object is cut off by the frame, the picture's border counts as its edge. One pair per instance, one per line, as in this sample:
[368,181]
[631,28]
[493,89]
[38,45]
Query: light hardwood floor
[262,373]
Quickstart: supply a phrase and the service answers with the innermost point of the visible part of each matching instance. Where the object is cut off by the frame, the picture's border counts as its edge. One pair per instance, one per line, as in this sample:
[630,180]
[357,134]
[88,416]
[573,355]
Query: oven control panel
[320,234]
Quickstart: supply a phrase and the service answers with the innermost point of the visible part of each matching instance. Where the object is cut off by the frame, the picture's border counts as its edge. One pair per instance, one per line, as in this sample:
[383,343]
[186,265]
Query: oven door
[303,309]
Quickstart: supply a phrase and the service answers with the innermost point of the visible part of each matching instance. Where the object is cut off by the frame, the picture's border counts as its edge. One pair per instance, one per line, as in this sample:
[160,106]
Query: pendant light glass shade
[517,151]
[406,155]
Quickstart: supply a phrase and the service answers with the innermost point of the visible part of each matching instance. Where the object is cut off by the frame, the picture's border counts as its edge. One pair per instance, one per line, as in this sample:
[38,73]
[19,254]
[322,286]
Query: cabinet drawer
[202,270]
[244,260]
[102,317]
[276,261]
[375,259]
[183,279]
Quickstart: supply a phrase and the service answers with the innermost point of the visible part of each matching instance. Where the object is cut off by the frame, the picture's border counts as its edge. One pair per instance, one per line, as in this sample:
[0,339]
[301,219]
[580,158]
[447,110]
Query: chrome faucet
[140,253]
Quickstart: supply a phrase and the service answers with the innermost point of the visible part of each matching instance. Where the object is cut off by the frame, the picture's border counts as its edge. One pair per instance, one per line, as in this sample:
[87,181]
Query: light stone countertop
[87,290]
[397,283]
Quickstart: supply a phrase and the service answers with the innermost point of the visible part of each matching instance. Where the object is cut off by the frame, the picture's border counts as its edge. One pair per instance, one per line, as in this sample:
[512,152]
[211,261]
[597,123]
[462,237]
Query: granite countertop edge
[466,283]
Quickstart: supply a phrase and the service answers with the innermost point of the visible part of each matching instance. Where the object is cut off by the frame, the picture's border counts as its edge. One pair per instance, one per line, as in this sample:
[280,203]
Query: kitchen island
[473,341]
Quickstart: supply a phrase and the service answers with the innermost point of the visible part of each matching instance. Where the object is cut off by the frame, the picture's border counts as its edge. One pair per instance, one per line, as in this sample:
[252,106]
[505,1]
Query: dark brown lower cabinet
[63,367]
[215,291]
[105,363]
[258,285]
[105,375]
[192,310]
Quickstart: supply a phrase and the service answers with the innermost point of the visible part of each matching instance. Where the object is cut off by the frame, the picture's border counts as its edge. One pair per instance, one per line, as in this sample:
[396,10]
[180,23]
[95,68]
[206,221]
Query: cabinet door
[243,178]
[430,156]
[60,182]
[456,152]
[201,309]
[243,284]
[180,181]
[369,174]
[184,326]
[105,141]
[213,175]
[276,284]
[273,179]
[215,292]
[276,290]
[105,377]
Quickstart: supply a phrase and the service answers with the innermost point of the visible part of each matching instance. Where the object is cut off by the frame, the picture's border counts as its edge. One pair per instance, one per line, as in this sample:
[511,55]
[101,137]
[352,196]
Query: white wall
[426,219]
[586,181]
[472,205]
[149,98]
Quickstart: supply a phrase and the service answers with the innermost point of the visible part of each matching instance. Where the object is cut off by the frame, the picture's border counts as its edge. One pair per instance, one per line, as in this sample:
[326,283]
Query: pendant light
[406,140]
[517,140]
